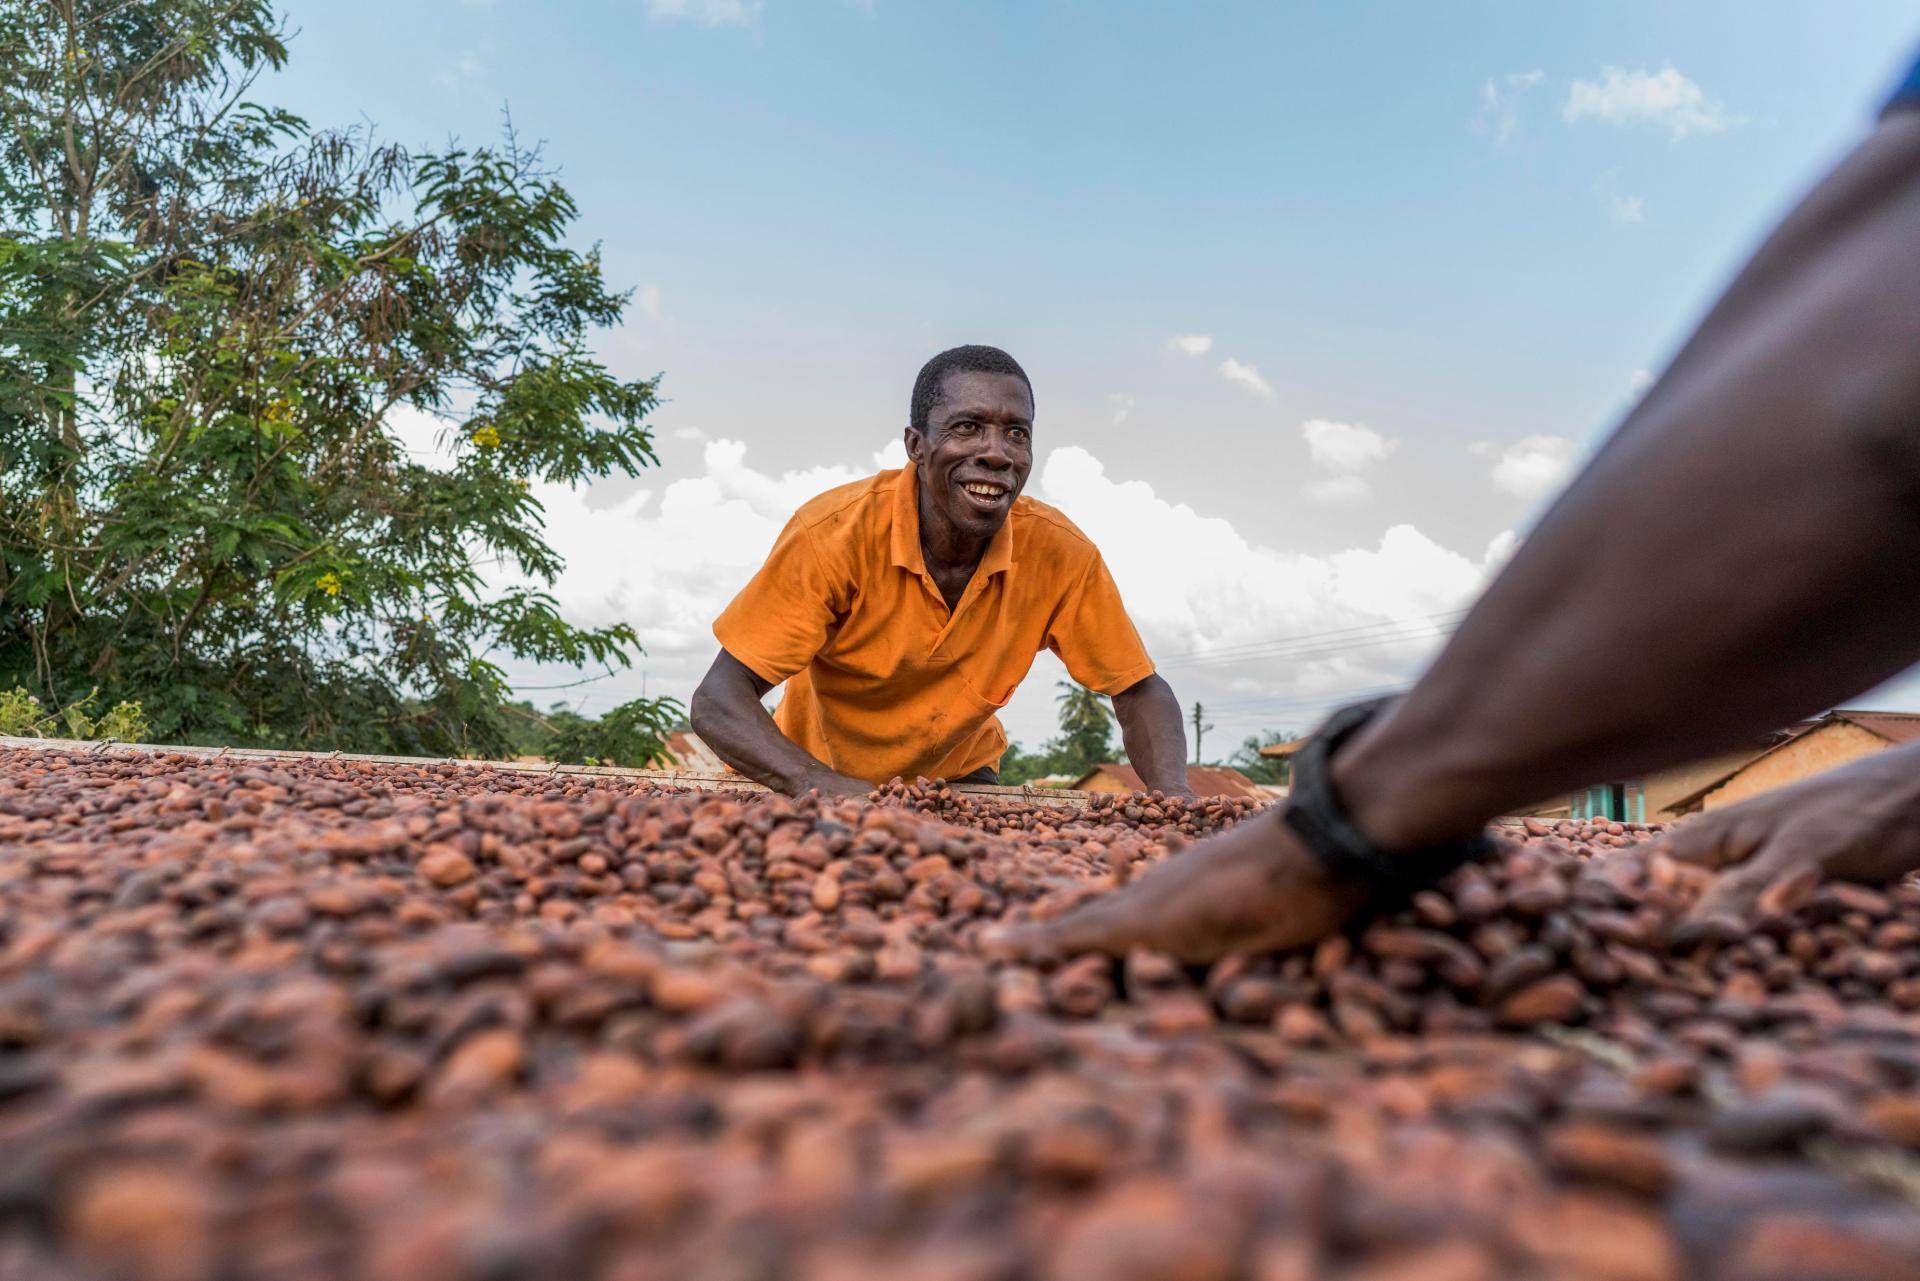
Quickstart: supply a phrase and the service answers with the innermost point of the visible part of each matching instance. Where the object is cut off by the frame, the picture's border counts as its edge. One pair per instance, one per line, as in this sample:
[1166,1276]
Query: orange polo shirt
[882,679]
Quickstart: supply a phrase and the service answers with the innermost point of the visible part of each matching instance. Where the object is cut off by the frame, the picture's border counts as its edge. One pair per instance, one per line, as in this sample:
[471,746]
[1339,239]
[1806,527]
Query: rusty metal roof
[1894,727]
[1205,780]
[691,752]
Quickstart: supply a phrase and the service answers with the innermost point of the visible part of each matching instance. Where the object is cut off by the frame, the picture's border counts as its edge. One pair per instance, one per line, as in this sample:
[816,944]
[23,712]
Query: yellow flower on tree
[486,437]
[329,583]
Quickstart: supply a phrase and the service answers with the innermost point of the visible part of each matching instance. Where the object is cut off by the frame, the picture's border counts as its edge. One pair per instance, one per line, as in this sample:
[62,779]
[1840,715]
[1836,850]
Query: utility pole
[1199,731]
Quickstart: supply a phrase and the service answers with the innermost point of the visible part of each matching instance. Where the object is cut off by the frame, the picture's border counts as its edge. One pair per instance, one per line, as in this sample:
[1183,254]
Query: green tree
[1262,769]
[210,317]
[1086,730]
[1085,740]
[1017,765]
[632,734]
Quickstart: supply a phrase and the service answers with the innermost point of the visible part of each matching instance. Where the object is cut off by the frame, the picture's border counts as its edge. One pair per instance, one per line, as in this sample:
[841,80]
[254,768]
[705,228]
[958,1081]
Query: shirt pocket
[999,685]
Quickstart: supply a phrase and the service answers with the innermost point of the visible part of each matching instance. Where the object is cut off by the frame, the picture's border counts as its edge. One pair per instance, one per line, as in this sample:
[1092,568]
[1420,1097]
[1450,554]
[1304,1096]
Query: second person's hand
[1857,823]
[1252,888]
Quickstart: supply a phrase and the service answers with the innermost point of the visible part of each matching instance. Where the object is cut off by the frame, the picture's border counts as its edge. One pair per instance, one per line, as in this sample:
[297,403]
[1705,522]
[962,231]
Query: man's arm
[727,713]
[1154,734]
[1746,550]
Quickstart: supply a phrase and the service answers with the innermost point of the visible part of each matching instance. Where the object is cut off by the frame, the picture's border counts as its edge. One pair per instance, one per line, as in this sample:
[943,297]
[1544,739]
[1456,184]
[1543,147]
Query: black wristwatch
[1317,816]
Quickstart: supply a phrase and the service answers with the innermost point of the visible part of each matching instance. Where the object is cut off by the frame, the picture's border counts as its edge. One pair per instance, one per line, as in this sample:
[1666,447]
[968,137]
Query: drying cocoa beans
[279,1018]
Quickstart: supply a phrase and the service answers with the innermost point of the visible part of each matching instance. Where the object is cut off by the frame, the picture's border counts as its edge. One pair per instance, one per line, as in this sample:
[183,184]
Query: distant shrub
[22,715]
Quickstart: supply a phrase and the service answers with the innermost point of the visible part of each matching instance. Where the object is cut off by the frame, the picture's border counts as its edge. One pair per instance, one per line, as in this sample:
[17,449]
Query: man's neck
[944,548]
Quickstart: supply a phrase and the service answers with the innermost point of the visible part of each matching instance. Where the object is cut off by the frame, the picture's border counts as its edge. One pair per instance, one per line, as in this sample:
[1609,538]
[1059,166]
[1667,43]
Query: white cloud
[667,559]
[1500,550]
[650,300]
[1246,376]
[1342,453]
[1627,209]
[1531,467]
[1665,99]
[688,433]
[1499,104]
[1122,406]
[709,13]
[1191,344]
[1344,449]
[1193,583]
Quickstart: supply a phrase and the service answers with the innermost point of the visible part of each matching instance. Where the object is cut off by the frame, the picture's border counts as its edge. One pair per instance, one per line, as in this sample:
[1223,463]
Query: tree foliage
[1262,769]
[633,734]
[1085,740]
[213,319]
[22,715]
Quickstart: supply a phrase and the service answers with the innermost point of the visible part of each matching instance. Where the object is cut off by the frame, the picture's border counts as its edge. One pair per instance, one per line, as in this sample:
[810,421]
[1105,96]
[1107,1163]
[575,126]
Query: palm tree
[1086,729]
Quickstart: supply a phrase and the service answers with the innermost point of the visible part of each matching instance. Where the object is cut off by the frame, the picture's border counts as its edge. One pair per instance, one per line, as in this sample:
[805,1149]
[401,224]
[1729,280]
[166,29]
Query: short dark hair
[971,359]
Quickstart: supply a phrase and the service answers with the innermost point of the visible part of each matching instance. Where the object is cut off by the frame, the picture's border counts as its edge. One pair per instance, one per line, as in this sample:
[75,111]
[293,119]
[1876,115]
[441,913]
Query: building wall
[1660,789]
[1668,786]
[1814,752]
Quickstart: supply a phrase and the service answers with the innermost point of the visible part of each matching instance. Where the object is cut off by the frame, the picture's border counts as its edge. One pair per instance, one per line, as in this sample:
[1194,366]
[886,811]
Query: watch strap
[1321,821]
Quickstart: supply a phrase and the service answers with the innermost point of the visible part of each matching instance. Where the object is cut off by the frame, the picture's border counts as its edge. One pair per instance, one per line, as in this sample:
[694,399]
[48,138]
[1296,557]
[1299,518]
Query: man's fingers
[1776,879]
[1091,927]
[1710,842]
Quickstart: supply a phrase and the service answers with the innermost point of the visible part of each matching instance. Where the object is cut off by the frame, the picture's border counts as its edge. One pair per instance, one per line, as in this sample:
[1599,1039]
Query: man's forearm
[1154,733]
[727,714]
[1761,536]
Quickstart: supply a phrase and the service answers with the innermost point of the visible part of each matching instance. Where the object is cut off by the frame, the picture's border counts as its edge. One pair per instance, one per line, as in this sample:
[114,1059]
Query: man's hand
[1857,823]
[832,785]
[1252,888]
[727,713]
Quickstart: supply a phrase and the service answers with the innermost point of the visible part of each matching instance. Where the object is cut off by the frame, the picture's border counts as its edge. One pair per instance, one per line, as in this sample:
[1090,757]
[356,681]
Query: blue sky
[1445,229]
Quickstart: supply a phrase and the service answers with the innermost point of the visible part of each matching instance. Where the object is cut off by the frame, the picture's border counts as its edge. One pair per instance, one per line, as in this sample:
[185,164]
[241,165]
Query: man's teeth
[985,491]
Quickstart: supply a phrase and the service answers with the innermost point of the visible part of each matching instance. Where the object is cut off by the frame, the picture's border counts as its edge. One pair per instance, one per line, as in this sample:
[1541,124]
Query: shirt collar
[906,531]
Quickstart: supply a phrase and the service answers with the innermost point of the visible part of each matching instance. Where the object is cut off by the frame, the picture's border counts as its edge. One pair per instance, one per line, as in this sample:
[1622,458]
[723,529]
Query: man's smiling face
[977,449]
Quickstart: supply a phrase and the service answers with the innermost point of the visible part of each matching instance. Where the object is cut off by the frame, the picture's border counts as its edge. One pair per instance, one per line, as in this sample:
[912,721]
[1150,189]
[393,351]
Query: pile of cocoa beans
[327,1018]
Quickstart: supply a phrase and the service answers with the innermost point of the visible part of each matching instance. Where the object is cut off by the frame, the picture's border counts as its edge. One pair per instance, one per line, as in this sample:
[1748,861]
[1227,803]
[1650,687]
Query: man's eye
[1019,434]
[966,429]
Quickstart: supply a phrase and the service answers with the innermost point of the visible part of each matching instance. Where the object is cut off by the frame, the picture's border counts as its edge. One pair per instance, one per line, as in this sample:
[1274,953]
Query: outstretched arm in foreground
[1744,551]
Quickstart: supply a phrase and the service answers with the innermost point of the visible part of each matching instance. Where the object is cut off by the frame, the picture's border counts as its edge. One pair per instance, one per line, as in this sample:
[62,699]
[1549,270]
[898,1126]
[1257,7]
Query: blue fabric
[1908,94]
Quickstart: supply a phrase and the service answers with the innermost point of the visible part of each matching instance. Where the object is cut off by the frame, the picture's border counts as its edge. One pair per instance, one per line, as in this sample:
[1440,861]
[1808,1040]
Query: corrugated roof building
[1842,735]
[691,753]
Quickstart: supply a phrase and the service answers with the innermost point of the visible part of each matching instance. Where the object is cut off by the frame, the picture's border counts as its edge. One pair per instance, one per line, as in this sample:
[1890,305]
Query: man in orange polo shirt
[903,610]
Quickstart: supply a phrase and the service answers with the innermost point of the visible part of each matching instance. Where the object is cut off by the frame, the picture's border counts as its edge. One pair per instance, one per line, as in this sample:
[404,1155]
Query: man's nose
[994,450]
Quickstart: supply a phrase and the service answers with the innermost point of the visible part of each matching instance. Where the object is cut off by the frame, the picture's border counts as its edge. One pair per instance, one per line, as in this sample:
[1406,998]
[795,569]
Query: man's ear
[916,445]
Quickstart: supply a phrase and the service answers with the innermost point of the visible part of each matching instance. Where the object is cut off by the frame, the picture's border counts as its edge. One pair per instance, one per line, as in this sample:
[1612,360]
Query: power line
[1357,632]
[1300,652]
[1263,706]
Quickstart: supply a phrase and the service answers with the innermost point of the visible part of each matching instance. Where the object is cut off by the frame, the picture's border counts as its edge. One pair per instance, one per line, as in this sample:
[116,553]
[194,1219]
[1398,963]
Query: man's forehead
[974,393]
